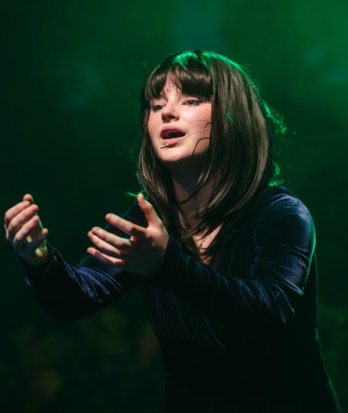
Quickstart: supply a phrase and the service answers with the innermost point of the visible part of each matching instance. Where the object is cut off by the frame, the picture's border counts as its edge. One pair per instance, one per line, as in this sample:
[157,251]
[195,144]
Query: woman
[224,255]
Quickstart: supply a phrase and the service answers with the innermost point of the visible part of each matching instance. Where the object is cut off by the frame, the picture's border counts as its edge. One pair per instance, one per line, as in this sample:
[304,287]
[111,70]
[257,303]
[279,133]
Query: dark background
[71,74]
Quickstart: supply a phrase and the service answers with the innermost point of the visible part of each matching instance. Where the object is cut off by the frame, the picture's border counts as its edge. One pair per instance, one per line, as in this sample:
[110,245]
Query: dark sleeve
[71,292]
[283,241]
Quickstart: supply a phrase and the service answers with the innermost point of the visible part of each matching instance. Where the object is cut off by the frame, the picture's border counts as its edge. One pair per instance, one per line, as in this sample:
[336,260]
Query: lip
[166,131]
[172,141]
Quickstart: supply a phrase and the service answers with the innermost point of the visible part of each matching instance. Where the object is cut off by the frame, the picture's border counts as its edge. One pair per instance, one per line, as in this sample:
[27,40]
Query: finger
[138,235]
[38,241]
[15,210]
[20,219]
[105,258]
[29,198]
[121,223]
[115,240]
[104,247]
[20,239]
[148,210]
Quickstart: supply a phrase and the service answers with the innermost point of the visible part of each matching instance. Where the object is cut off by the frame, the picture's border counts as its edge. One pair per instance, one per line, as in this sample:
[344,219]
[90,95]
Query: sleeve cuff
[39,270]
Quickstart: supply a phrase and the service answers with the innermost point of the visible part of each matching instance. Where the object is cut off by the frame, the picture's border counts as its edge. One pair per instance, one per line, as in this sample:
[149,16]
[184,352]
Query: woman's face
[179,125]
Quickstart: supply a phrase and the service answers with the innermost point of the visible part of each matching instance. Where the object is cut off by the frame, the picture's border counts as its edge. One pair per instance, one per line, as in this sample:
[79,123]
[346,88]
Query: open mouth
[172,134]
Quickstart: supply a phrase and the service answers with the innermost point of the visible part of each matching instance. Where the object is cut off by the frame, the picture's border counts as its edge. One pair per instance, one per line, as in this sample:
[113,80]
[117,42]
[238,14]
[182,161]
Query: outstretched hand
[25,232]
[142,252]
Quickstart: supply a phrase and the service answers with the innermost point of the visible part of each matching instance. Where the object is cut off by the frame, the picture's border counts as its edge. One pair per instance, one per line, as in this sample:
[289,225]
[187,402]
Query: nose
[169,112]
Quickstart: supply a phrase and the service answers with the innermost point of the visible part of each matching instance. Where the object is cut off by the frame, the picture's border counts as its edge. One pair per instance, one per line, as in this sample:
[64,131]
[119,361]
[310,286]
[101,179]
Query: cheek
[208,115]
[203,115]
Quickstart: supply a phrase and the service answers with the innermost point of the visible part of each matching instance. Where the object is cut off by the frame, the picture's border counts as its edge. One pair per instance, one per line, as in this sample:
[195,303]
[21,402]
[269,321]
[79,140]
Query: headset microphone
[186,136]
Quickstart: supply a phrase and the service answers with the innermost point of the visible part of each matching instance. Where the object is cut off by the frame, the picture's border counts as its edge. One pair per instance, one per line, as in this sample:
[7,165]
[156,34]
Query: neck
[185,186]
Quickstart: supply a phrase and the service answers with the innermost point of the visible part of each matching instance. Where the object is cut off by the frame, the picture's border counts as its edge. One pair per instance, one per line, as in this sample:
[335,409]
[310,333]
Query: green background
[71,74]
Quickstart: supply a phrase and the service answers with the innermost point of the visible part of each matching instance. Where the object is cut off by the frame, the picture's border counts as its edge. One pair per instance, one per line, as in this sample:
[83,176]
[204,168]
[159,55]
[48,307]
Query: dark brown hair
[241,151]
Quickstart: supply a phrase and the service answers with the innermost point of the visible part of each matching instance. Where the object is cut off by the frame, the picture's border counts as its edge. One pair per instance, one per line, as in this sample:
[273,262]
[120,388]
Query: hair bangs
[187,71]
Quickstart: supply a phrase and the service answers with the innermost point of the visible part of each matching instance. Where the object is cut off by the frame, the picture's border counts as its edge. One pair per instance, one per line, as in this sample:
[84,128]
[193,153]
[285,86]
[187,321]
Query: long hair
[240,159]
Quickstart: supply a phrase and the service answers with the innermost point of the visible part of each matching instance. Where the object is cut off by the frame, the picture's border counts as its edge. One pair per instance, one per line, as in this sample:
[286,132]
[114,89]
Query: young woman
[223,253]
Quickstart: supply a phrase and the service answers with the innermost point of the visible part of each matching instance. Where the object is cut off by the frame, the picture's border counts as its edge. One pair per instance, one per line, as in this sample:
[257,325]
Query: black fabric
[239,335]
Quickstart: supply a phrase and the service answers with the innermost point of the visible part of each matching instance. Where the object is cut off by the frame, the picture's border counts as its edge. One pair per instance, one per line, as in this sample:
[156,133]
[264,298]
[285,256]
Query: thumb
[29,198]
[148,210]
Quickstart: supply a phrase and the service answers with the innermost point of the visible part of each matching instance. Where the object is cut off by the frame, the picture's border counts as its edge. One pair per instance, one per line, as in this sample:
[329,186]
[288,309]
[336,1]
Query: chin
[177,162]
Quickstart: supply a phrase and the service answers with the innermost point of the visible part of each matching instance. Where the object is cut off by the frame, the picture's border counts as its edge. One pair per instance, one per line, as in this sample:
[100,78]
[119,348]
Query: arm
[283,240]
[281,244]
[65,291]
[71,292]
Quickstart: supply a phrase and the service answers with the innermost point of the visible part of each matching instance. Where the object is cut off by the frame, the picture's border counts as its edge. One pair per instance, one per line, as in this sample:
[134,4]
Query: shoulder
[281,212]
[278,201]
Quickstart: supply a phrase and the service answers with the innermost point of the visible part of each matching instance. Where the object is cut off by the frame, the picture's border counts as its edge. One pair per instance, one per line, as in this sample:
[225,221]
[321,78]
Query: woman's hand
[141,252]
[25,233]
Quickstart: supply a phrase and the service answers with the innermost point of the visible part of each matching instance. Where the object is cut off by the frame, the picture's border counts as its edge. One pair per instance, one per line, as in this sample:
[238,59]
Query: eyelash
[156,108]
[190,102]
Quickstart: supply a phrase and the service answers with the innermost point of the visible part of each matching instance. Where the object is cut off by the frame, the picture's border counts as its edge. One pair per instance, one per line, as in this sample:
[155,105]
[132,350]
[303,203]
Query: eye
[155,107]
[156,104]
[192,101]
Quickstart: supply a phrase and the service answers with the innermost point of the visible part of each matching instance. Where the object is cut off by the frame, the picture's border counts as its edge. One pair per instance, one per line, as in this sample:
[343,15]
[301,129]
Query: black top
[239,335]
